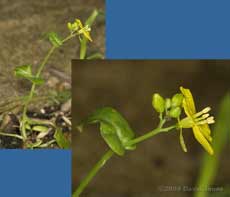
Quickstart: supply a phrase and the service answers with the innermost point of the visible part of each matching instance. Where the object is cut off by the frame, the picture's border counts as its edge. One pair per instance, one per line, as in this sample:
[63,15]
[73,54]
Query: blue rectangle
[167,29]
[35,173]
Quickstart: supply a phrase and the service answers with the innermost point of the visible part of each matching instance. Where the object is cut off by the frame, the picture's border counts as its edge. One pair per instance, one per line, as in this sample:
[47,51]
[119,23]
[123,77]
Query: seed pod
[158,103]
[177,100]
[175,112]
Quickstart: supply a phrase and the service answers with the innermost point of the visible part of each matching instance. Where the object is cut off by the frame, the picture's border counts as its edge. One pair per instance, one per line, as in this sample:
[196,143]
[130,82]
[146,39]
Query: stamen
[211,120]
[211,117]
[87,28]
[205,116]
[206,110]
[207,121]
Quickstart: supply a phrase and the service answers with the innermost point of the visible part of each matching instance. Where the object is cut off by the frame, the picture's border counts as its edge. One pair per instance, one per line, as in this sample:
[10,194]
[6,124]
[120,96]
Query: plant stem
[149,135]
[93,172]
[11,135]
[69,37]
[47,144]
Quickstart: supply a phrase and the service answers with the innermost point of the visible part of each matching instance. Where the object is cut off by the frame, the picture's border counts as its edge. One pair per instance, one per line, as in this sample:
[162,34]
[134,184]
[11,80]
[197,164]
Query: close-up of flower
[136,106]
[199,122]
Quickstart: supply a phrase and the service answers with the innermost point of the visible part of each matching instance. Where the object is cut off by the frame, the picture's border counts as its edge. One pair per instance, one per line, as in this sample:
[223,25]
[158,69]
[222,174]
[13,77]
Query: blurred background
[128,86]
[23,25]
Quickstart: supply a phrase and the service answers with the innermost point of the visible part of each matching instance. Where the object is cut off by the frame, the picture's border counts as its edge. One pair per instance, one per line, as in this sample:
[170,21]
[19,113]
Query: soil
[53,114]
[128,86]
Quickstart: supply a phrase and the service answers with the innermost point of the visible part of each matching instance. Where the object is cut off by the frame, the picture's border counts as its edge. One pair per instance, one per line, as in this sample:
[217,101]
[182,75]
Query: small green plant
[120,138]
[76,30]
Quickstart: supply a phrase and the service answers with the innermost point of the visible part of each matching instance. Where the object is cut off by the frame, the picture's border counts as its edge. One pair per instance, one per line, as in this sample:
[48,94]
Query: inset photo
[150,128]
[38,40]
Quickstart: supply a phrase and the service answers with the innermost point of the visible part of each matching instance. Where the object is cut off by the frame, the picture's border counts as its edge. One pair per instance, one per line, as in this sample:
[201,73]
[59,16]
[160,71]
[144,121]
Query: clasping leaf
[55,39]
[114,129]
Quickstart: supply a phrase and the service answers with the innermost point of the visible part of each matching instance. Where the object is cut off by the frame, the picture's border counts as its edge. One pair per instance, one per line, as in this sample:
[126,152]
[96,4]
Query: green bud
[158,103]
[177,100]
[167,103]
[69,25]
[175,112]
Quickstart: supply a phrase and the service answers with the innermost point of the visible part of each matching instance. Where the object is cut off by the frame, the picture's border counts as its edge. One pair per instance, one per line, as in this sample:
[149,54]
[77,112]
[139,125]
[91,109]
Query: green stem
[11,135]
[83,48]
[149,135]
[93,172]
[47,144]
[69,37]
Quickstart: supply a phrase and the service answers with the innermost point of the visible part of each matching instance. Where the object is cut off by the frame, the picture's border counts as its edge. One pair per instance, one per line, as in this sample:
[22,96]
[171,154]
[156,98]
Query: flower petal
[84,32]
[188,102]
[87,35]
[201,139]
[205,130]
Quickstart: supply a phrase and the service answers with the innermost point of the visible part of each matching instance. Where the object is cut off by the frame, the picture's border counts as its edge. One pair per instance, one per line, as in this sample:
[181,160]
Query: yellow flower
[84,30]
[78,27]
[197,121]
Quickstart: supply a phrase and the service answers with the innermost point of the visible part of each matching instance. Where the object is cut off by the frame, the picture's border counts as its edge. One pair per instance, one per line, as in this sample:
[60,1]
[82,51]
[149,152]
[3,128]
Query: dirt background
[23,24]
[128,86]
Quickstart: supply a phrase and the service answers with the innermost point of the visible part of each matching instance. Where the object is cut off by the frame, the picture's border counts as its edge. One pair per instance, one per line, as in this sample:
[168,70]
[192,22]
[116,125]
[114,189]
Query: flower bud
[167,103]
[158,103]
[175,112]
[177,100]
[69,25]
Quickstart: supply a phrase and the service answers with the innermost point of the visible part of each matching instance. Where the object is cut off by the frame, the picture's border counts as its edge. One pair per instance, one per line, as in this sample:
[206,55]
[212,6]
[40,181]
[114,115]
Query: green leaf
[114,129]
[25,72]
[61,139]
[62,96]
[95,56]
[55,39]
[90,20]
[36,80]
[40,128]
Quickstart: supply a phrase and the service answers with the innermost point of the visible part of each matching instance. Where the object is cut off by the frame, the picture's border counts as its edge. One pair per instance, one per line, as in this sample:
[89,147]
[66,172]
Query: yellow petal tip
[211,152]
